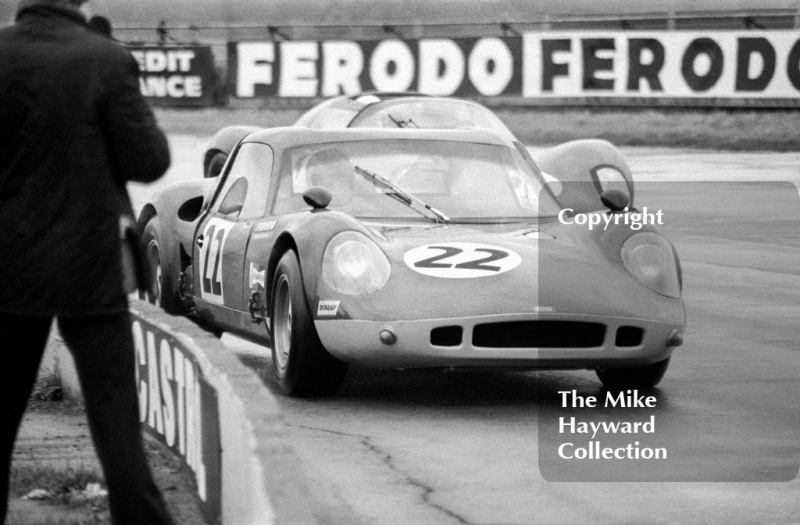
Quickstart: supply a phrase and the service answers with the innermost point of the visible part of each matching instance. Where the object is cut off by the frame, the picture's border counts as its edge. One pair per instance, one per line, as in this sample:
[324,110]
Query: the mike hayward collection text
[594,449]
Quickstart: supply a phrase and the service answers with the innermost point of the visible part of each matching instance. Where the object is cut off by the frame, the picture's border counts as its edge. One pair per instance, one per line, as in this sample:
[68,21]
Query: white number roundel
[461,260]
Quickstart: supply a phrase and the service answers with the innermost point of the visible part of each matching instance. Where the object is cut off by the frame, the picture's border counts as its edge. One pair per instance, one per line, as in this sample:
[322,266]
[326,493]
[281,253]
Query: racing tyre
[160,292]
[301,363]
[637,377]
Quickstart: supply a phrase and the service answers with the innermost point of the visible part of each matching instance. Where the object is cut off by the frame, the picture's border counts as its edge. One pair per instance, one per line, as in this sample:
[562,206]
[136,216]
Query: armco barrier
[214,414]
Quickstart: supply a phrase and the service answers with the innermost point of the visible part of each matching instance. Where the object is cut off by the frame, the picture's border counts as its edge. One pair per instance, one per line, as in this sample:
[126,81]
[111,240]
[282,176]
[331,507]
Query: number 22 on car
[211,247]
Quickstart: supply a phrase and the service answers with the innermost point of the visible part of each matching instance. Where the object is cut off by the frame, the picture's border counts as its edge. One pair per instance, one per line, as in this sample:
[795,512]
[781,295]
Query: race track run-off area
[477,446]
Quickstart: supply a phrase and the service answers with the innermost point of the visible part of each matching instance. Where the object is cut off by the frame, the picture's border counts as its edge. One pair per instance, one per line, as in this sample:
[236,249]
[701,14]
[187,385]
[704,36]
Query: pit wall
[211,412]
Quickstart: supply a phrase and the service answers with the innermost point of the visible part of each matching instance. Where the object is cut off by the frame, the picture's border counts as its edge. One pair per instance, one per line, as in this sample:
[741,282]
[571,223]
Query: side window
[234,200]
[256,164]
[246,187]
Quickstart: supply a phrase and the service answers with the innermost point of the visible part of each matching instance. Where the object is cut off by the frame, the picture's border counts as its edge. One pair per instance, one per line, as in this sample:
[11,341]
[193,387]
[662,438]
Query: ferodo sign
[176,75]
[178,407]
[490,66]
[741,64]
[613,65]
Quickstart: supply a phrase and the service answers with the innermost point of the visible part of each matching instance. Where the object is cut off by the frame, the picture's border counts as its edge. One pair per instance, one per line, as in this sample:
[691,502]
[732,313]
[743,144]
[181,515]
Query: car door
[223,234]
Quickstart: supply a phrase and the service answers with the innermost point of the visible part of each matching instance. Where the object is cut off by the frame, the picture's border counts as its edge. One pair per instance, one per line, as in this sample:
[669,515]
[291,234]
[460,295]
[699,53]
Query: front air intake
[539,334]
[447,336]
[629,336]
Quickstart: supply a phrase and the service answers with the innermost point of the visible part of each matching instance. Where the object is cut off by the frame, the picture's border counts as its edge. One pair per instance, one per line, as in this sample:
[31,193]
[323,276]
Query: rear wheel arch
[579,161]
[213,162]
[221,146]
[147,213]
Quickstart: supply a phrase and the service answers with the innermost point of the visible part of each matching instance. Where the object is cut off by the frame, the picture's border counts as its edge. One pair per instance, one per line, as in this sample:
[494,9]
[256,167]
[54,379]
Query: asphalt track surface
[480,446]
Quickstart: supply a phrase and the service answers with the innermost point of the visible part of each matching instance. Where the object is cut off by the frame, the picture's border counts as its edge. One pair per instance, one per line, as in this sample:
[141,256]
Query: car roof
[287,137]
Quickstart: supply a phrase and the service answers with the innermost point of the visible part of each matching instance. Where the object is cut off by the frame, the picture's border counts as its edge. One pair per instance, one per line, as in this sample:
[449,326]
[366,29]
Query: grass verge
[66,486]
[75,494]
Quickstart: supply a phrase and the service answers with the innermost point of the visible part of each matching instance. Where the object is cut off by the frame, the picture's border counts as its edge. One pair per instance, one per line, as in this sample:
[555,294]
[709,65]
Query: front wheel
[638,377]
[301,363]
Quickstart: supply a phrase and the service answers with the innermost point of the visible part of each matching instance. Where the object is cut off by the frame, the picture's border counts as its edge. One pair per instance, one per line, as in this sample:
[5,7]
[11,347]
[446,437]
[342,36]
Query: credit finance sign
[176,75]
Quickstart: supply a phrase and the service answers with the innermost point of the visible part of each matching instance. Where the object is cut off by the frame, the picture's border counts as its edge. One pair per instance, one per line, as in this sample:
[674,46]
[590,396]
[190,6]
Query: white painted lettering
[392,66]
[298,74]
[255,63]
[342,64]
[168,404]
[141,355]
[491,66]
[180,375]
[441,67]
[154,416]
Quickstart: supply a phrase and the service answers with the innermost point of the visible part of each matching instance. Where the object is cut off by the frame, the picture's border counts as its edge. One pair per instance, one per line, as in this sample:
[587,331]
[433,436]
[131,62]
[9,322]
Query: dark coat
[74,128]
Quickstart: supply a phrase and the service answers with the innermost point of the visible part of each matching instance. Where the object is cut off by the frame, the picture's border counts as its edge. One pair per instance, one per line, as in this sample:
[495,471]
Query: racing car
[413,248]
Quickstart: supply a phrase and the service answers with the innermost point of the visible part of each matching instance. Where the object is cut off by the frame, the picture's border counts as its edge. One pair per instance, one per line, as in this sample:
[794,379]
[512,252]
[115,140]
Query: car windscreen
[465,181]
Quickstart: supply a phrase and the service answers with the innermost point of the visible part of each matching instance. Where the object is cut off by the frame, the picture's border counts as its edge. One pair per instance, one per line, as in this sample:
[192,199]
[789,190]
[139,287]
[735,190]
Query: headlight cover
[354,265]
[651,260]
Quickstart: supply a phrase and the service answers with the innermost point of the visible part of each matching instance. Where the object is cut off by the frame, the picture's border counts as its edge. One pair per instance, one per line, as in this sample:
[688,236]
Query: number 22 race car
[408,248]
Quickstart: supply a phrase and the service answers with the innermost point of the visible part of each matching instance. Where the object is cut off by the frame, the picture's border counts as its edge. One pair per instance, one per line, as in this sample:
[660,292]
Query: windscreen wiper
[402,123]
[401,195]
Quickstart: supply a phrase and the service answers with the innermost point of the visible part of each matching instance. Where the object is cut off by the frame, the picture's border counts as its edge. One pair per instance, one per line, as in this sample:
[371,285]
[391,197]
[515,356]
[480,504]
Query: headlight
[354,265]
[651,260]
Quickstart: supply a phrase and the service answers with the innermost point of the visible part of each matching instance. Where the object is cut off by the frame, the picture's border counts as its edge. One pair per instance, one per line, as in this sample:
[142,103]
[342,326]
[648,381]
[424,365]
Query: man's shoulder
[73,37]
[99,42]
[104,48]
[8,32]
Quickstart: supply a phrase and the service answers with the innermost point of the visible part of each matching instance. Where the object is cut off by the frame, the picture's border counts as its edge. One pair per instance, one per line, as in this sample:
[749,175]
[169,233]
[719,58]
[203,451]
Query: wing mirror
[317,197]
[615,200]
